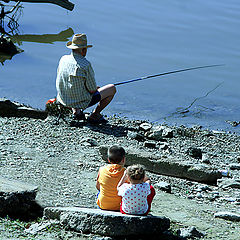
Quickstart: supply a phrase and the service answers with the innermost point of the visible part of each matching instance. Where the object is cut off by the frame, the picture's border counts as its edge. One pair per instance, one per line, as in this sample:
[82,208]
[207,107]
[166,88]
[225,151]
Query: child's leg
[150,198]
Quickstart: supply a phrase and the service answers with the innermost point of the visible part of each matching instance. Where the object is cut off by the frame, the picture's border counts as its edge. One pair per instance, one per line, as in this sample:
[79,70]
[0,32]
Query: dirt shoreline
[63,162]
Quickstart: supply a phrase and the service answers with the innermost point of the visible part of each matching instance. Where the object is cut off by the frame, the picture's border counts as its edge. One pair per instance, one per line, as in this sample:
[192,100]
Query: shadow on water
[63,36]
[10,33]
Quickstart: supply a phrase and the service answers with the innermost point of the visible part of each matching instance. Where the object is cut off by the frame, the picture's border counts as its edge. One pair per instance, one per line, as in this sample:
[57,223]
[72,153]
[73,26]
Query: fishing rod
[166,73]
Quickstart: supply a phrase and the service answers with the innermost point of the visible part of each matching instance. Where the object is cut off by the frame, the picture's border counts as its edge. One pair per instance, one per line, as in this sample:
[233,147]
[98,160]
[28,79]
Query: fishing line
[166,73]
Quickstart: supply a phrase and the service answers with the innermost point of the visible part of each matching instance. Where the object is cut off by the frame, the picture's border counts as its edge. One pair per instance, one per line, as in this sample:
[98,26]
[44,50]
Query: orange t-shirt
[108,178]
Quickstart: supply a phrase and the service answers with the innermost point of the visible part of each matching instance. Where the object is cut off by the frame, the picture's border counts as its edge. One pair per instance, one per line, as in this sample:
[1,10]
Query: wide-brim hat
[78,41]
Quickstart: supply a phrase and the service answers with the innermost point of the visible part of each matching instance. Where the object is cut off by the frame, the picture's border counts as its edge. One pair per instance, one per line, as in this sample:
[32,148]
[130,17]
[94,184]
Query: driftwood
[62,3]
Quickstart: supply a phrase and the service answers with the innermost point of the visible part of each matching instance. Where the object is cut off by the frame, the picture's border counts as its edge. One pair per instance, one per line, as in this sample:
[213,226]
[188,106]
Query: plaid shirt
[75,80]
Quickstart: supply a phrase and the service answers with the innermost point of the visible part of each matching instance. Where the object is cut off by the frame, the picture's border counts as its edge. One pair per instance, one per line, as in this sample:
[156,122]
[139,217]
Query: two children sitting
[128,190]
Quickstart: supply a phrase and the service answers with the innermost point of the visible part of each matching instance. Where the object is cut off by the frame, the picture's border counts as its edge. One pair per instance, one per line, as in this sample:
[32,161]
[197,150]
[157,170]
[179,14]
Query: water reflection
[10,34]
[63,36]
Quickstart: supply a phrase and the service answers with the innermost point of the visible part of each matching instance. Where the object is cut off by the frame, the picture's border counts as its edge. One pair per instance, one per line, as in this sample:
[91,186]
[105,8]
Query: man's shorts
[96,97]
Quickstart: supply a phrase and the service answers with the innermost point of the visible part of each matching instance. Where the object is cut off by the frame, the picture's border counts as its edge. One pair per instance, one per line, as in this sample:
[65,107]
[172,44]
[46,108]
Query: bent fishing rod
[166,73]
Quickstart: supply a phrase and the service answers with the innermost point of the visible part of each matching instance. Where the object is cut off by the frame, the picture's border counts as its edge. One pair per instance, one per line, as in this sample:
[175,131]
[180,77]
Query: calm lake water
[133,39]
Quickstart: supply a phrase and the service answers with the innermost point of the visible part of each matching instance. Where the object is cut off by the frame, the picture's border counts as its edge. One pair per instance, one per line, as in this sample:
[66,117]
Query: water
[133,39]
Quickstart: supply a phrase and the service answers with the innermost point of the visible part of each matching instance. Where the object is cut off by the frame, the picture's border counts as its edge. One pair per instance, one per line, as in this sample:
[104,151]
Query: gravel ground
[63,161]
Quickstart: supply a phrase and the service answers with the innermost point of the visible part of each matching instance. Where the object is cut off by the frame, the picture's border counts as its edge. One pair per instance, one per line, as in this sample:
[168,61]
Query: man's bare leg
[107,93]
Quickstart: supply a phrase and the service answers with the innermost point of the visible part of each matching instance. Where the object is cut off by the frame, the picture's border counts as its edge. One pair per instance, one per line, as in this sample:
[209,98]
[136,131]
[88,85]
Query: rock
[7,46]
[160,132]
[169,167]
[145,127]
[228,199]
[107,223]
[89,141]
[166,187]
[204,188]
[233,184]
[150,144]
[234,166]
[199,195]
[189,233]
[37,227]
[13,109]
[163,146]
[205,159]
[228,216]
[135,135]
[195,152]
[102,238]
[229,183]
[16,197]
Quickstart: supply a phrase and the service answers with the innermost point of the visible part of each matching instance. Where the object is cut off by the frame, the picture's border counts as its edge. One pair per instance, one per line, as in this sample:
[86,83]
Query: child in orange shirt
[108,178]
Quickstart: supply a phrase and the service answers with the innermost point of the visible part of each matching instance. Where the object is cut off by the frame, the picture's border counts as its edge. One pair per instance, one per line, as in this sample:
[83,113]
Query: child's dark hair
[136,172]
[116,154]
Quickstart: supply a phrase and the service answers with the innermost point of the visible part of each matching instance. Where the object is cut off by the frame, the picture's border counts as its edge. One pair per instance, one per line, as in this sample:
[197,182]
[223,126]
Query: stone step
[107,223]
[169,167]
[16,197]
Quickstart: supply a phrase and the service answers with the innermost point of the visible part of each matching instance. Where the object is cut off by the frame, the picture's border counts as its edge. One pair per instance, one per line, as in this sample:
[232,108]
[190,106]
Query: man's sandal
[97,121]
[79,116]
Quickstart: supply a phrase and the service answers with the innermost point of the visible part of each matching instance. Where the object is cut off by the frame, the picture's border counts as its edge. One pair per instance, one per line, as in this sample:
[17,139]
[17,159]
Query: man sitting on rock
[76,85]
[108,178]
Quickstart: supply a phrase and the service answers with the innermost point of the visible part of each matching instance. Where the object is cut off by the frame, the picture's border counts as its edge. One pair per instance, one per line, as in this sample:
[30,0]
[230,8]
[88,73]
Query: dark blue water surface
[133,39]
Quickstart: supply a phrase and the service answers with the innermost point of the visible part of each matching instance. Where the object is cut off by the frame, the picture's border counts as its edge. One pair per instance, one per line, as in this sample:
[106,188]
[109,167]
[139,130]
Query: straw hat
[78,41]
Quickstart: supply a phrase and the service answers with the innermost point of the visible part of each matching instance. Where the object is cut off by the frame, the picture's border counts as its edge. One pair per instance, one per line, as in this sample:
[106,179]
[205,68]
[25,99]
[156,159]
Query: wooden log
[62,3]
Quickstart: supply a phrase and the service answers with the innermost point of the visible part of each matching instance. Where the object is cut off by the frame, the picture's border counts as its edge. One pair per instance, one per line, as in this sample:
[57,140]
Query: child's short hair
[116,154]
[136,172]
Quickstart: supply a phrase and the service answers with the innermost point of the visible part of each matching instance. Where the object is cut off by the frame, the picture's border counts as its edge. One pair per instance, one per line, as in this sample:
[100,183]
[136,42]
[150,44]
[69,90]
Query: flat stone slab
[169,167]
[107,223]
[16,197]
[14,109]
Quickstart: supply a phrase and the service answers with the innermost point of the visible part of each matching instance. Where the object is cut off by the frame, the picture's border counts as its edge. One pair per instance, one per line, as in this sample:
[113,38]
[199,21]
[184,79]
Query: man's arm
[90,82]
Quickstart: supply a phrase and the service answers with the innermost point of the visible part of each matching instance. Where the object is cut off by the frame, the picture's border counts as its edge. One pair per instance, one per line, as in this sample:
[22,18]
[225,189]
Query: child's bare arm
[147,179]
[97,183]
[123,179]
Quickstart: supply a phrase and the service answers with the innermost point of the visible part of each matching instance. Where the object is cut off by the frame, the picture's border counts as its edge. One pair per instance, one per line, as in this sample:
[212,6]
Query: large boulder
[14,109]
[107,223]
[169,167]
[16,198]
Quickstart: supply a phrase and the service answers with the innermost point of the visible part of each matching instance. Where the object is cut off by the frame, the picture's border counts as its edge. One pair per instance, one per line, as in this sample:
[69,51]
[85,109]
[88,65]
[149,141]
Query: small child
[108,179]
[137,195]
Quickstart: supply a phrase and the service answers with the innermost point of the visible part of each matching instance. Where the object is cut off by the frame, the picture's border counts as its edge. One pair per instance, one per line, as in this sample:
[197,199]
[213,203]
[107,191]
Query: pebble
[145,127]
[189,233]
[203,188]
[150,144]
[163,146]
[135,135]
[195,152]
[199,195]
[234,166]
